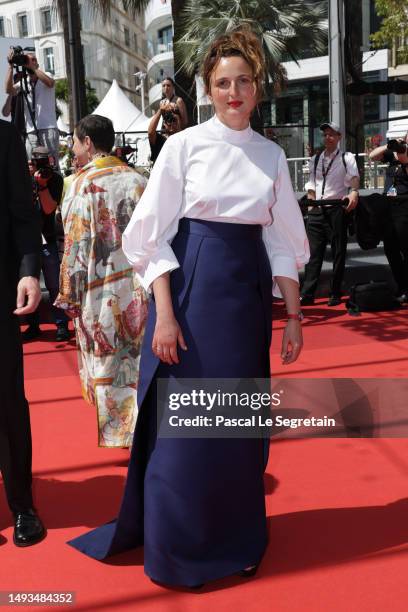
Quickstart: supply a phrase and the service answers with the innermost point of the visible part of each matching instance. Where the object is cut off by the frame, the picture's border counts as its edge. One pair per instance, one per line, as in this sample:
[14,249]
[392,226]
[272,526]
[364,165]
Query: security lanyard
[326,172]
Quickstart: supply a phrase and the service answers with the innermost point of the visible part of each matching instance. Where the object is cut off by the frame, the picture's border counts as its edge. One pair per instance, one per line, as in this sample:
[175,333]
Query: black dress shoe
[248,572]
[63,333]
[31,333]
[28,528]
[306,300]
[334,300]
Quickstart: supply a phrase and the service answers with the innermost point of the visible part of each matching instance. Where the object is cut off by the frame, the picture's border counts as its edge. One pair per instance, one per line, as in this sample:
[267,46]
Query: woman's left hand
[292,341]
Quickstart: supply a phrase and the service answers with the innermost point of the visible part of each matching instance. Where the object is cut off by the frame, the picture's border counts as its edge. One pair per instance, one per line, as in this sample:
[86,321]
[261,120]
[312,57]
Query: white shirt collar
[229,135]
[332,155]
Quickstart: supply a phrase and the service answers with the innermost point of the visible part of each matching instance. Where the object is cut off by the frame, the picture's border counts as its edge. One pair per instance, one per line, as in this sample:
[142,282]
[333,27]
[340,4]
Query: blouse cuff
[283,265]
[160,262]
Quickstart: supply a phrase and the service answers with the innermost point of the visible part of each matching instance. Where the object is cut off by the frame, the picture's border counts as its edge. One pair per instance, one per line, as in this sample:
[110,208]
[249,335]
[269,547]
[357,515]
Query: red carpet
[338,509]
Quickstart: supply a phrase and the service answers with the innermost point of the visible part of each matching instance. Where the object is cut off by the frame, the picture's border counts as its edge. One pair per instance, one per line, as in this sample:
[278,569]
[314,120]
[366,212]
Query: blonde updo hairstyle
[242,43]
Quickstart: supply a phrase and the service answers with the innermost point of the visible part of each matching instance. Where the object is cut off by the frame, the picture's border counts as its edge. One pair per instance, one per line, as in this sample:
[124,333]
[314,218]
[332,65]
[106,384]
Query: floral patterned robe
[100,291]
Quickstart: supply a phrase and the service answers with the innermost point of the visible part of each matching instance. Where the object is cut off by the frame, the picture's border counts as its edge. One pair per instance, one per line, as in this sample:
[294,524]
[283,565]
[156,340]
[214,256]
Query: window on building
[135,44]
[87,59]
[127,37]
[371,108]
[46,20]
[22,25]
[49,62]
[1,26]
[375,20]
[165,36]
[144,47]
[116,29]
[289,110]
[399,102]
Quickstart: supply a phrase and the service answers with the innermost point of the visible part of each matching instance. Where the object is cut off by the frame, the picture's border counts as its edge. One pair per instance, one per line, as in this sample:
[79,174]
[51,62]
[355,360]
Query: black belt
[323,204]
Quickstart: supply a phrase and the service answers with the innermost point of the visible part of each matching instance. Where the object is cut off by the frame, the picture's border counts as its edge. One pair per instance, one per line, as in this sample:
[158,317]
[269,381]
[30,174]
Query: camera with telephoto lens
[43,167]
[397,146]
[170,116]
[19,58]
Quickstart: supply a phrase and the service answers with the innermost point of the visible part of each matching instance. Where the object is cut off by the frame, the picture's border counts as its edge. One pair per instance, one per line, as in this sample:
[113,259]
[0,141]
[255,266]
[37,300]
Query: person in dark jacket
[20,244]
[395,153]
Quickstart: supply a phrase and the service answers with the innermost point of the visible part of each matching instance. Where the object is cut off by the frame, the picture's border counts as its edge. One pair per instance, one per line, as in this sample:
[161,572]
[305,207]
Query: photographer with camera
[395,153]
[37,95]
[171,124]
[332,194]
[169,96]
[47,191]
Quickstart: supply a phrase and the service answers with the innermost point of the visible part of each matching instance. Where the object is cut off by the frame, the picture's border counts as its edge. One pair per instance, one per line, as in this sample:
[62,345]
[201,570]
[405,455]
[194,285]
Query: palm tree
[61,7]
[183,81]
[286,28]
[101,7]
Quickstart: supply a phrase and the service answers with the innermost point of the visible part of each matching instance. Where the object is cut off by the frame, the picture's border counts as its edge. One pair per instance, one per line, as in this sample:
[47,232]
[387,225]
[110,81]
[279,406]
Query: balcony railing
[157,9]
[155,48]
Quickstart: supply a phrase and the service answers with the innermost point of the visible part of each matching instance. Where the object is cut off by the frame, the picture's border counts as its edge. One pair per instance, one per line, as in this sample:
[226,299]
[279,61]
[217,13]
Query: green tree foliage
[286,28]
[394,27]
[103,6]
[61,94]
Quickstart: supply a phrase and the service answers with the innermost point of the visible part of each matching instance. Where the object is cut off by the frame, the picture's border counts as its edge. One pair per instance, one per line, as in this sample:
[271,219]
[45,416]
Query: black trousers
[326,225]
[15,431]
[396,244]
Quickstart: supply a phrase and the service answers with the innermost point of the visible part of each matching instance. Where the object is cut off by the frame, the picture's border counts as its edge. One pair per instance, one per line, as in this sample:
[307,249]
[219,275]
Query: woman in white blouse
[216,227]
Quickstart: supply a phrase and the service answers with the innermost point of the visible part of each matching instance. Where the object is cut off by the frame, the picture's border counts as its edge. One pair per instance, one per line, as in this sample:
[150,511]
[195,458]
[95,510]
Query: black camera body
[170,116]
[43,167]
[19,58]
[397,146]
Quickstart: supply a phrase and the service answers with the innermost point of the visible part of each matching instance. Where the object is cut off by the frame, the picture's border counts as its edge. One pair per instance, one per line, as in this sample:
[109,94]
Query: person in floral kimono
[98,288]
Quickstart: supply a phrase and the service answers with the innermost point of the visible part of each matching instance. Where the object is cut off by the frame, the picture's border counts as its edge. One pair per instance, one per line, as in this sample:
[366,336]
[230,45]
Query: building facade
[112,50]
[159,33]
[116,49]
[305,101]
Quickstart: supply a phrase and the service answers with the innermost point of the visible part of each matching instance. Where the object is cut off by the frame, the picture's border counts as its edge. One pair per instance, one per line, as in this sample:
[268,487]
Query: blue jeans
[50,266]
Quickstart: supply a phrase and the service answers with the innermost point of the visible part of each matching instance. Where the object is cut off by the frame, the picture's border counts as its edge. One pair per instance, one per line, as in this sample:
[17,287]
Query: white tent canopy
[62,126]
[117,107]
[140,124]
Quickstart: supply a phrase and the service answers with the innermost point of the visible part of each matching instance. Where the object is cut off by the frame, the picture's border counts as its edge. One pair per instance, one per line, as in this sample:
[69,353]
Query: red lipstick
[235,103]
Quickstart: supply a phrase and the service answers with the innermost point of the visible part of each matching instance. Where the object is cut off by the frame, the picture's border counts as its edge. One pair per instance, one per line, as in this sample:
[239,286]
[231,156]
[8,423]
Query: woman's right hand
[167,334]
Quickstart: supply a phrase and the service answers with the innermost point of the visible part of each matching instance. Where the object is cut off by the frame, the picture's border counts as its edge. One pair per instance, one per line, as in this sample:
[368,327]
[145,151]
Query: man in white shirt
[333,176]
[41,123]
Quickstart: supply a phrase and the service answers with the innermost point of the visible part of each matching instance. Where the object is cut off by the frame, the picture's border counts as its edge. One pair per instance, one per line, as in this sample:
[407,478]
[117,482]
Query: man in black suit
[20,243]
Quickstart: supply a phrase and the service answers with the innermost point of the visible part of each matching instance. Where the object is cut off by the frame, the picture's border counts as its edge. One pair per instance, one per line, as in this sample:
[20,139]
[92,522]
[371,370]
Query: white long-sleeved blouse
[215,173]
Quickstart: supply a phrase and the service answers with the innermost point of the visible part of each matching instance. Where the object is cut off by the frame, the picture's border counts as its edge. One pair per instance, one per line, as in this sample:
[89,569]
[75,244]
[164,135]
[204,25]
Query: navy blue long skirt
[198,505]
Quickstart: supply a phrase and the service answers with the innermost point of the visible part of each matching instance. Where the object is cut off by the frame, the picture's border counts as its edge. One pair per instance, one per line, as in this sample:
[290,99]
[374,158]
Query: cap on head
[333,126]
